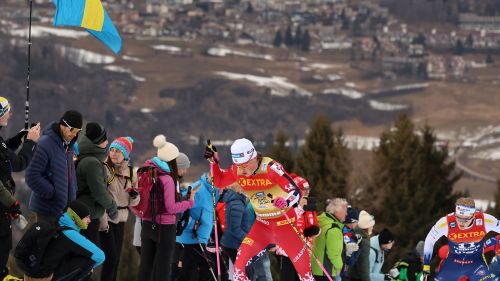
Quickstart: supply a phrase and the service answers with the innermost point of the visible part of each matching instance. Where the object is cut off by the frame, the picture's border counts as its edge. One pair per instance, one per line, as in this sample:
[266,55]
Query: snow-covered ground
[279,85]
[82,57]
[361,142]
[45,31]
[130,58]
[350,93]
[336,45]
[222,52]
[167,48]
[323,66]
[386,106]
[120,69]
[488,154]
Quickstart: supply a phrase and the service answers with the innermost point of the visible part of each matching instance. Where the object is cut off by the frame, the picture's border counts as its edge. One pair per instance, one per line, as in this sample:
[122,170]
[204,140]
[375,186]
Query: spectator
[329,244]
[237,222]
[11,162]
[379,246]
[194,237]
[158,240]
[409,268]
[91,179]
[351,242]
[70,256]
[120,181]
[51,175]
[360,271]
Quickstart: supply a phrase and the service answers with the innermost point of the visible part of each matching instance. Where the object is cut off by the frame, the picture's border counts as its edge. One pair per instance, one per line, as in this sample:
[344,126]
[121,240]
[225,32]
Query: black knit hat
[385,237]
[80,209]
[72,118]
[95,132]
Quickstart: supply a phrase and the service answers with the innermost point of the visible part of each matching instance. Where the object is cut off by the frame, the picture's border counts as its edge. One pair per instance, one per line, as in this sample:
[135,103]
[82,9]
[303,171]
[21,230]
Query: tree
[413,182]
[324,161]
[278,39]
[489,59]
[298,36]
[280,152]
[306,42]
[250,8]
[469,42]
[496,209]
[289,37]
[459,47]
[420,39]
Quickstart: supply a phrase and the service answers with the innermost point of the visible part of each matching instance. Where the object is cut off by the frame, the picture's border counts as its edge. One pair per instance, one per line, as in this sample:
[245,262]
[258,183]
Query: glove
[388,277]
[279,202]
[393,273]
[132,193]
[425,276]
[210,151]
[358,238]
[15,210]
[350,248]
[113,215]
[311,231]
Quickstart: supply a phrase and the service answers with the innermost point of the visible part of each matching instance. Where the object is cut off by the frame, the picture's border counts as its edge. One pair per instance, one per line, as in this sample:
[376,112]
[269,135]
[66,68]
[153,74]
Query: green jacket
[91,179]
[328,245]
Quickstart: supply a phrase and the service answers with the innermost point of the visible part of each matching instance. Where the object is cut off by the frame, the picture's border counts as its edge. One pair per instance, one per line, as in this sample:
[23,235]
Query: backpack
[32,247]
[150,190]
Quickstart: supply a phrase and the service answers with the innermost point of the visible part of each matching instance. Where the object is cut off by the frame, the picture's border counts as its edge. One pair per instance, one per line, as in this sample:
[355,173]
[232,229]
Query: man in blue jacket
[195,236]
[51,174]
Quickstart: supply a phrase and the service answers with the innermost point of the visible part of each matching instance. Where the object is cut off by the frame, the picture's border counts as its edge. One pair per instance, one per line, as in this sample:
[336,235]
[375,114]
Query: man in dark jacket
[70,256]
[11,162]
[51,174]
[91,177]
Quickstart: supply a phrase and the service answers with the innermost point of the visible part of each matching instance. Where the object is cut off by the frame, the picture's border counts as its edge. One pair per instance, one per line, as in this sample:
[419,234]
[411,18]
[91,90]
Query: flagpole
[27,104]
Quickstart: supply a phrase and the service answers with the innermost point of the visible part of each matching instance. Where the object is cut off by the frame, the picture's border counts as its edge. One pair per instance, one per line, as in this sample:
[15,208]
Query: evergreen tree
[306,42]
[324,161]
[469,42]
[413,182]
[496,209]
[459,47]
[289,37]
[278,39]
[489,59]
[280,152]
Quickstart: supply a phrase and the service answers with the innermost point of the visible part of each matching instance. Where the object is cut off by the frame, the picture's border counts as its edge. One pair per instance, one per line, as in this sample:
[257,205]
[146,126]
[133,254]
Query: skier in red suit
[272,193]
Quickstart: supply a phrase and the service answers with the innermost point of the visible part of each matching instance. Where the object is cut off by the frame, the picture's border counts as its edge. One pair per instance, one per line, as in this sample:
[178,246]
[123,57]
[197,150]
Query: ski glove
[280,202]
[210,151]
[350,248]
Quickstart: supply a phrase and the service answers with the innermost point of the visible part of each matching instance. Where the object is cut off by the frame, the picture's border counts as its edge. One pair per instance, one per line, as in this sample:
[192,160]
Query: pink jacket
[172,208]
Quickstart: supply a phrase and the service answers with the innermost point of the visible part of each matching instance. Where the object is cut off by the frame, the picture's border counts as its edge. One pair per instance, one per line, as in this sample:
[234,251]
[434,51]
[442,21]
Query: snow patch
[45,31]
[167,48]
[386,106]
[323,65]
[119,69]
[279,86]
[336,45]
[222,52]
[350,84]
[333,77]
[82,57]
[134,59]
[146,110]
[362,142]
[352,94]
[492,154]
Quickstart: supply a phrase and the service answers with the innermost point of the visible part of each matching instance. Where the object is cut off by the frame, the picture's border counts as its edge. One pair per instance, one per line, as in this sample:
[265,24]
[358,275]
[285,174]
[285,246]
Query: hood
[231,195]
[87,148]
[66,220]
[374,243]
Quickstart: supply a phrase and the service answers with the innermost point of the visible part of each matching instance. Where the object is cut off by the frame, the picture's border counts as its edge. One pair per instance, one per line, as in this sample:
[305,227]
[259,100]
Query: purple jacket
[172,208]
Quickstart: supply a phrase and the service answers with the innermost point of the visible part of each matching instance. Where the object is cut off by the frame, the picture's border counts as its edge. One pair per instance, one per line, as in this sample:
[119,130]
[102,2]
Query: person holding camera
[10,161]
[307,224]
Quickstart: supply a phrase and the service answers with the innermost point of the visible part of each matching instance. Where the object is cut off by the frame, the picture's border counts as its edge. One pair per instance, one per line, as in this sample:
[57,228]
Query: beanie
[72,118]
[183,161]
[4,106]
[352,215]
[78,211]
[124,144]
[96,133]
[385,237]
[166,151]
[420,248]
[365,220]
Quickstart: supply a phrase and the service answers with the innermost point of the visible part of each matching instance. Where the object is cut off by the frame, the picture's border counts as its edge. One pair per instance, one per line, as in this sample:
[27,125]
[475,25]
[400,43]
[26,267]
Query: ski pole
[209,144]
[27,103]
[311,252]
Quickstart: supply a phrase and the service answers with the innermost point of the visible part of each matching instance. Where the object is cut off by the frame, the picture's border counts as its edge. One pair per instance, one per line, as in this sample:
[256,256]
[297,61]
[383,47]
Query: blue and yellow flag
[91,15]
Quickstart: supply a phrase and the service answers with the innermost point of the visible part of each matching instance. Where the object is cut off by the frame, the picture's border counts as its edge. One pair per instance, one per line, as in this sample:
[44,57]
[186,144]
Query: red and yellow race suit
[269,181]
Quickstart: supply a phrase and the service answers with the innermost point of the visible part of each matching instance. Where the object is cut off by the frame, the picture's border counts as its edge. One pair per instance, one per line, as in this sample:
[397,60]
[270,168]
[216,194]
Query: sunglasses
[72,129]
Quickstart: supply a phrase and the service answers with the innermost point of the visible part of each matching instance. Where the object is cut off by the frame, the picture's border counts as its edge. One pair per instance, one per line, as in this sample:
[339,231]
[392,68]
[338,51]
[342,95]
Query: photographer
[10,161]
[307,224]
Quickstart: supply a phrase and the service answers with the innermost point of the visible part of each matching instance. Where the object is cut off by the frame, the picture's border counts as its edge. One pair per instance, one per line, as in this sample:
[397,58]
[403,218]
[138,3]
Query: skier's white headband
[465,211]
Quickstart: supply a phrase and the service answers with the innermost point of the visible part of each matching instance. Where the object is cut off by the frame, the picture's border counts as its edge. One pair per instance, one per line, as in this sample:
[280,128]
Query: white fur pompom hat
[166,151]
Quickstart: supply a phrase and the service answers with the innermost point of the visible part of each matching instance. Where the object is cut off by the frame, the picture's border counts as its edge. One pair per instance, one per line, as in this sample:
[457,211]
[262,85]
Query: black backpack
[32,247]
